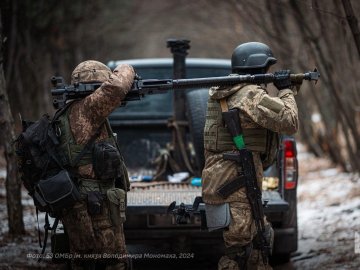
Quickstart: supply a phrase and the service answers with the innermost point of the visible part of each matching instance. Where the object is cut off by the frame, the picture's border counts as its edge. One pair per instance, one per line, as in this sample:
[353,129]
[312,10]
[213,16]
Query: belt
[88,185]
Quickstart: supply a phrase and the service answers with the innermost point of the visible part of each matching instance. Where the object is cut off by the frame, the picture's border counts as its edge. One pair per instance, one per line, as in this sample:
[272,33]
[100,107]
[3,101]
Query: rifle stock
[247,173]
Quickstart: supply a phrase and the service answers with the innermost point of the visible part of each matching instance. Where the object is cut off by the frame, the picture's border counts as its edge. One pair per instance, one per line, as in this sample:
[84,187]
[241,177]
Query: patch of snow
[328,217]
[3,174]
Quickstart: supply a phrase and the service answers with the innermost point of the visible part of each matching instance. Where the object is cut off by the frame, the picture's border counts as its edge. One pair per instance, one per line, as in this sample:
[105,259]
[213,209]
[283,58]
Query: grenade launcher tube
[62,92]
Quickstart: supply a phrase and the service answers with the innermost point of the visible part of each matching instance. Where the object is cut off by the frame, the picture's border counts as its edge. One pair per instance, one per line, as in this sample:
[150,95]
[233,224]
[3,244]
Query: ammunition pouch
[217,216]
[95,190]
[56,193]
[106,161]
[117,205]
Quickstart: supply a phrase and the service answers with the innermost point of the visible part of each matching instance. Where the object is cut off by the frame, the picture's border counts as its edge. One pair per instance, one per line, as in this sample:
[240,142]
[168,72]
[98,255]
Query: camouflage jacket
[88,114]
[257,109]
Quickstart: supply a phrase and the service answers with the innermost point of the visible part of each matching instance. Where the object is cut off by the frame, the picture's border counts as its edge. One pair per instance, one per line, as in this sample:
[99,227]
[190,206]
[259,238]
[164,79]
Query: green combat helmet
[252,58]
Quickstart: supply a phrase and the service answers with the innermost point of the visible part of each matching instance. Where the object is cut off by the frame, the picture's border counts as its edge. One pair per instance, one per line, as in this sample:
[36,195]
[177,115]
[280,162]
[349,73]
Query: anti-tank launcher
[140,88]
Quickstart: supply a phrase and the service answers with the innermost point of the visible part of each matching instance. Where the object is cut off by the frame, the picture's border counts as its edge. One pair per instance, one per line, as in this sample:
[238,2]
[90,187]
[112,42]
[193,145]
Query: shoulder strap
[47,228]
[48,147]
[88,145]
[59,112]
[232,120]
[90,141]
[224,105]
[108,128]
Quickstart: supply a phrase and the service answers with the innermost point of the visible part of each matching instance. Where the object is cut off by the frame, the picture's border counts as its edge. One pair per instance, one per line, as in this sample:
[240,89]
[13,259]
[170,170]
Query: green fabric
[67,142]
[117,205]
[88,185]
[70,147]
[255,139]
[239,142]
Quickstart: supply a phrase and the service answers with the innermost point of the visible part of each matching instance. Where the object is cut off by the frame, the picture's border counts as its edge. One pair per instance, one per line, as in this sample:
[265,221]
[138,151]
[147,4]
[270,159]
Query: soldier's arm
[279,114]
[109,95]
[89,113]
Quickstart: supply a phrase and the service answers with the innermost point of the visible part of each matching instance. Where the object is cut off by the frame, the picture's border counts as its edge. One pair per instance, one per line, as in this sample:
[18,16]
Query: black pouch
[56,192]
[106,161]
[94,202]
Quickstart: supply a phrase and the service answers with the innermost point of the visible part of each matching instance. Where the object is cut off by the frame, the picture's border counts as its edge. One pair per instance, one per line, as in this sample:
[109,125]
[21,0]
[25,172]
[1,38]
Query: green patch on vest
[239,142]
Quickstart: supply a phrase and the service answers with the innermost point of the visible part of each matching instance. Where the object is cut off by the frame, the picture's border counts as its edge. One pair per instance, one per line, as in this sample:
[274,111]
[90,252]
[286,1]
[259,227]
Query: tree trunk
[353,23]
[13,184]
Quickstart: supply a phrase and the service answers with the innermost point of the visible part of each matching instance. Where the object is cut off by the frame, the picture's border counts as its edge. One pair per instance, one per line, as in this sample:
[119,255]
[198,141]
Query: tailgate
[275,202]
[155,197]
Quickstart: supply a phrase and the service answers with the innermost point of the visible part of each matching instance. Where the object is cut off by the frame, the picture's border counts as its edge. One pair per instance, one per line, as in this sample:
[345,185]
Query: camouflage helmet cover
[90,71]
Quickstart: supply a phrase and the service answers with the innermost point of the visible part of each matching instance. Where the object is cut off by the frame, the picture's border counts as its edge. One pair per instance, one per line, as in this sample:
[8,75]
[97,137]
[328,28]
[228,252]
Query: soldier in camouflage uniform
[94,225]
[262,118]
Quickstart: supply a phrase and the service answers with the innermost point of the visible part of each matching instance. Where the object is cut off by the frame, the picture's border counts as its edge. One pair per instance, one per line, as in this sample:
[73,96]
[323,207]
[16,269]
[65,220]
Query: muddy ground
[328,218]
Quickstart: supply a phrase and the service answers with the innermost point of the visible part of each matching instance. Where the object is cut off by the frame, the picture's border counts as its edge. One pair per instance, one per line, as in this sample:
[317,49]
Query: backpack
[40,167]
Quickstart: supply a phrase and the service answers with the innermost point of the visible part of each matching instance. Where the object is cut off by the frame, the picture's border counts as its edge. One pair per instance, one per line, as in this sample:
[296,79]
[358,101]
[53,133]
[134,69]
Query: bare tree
[304,34]
[13,184]
[353,22]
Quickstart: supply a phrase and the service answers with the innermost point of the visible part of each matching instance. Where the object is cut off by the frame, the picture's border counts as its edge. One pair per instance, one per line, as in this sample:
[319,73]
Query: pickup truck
[143,132]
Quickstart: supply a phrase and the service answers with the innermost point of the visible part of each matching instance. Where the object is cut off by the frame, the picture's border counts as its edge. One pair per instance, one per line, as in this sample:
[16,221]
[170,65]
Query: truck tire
[196,104]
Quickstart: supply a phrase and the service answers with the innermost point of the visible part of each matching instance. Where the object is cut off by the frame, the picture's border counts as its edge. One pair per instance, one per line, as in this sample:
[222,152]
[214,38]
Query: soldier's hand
[296,87]
[282,79]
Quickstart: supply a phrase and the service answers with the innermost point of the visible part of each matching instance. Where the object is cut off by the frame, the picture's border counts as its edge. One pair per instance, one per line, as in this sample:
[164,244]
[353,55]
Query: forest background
[47,37]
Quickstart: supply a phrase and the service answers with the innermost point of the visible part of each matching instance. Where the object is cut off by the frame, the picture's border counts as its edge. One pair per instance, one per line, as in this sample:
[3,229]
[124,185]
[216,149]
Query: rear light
[289,148]
[290,164]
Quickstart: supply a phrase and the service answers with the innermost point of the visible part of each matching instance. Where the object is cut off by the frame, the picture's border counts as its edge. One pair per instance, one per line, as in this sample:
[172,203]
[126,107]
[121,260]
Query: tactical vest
[69,149]
[218,139]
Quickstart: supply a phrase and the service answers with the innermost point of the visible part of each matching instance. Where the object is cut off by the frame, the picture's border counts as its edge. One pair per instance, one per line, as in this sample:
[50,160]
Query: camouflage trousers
[94,238]
[241,232]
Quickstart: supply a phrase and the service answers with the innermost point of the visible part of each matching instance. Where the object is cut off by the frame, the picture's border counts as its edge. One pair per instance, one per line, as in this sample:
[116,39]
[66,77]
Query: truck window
[162,104]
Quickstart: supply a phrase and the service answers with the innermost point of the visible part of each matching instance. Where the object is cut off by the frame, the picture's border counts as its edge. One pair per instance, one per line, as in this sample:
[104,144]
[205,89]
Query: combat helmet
[252,58]
[90,71]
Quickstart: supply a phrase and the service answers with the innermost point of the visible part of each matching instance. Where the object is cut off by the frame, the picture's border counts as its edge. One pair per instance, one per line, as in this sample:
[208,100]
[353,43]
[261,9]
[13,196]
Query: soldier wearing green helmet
[262,118]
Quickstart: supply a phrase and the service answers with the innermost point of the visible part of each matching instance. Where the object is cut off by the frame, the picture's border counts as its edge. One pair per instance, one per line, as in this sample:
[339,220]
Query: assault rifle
[62,92]
[246,177]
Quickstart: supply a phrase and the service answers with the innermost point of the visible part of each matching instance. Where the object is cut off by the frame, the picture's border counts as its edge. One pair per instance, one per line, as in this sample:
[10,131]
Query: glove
[297,82]
[282,79]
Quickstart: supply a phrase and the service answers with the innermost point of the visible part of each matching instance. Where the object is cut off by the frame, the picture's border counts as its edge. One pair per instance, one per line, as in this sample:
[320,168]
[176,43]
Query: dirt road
[328,218]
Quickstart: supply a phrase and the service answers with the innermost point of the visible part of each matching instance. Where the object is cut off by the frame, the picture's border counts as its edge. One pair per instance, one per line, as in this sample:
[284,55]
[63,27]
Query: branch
[353,23]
